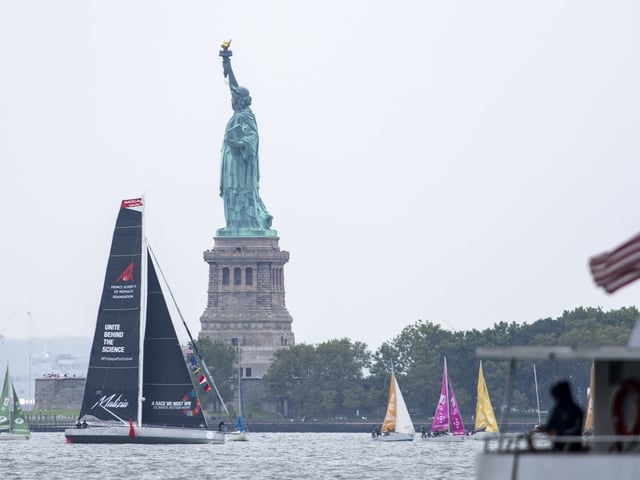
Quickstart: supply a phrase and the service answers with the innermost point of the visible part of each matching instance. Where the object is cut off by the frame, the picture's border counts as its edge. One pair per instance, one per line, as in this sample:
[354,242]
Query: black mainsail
[113,383]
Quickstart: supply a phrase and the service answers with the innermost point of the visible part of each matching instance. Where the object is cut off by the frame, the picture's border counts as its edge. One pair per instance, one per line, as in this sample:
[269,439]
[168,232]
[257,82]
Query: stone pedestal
[246,299]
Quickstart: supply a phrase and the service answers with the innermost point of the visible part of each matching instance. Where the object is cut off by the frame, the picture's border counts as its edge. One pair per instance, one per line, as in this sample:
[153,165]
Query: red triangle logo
[126,275]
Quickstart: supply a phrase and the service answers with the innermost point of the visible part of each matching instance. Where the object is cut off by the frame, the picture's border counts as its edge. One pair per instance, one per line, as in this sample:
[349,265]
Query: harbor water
[46,456]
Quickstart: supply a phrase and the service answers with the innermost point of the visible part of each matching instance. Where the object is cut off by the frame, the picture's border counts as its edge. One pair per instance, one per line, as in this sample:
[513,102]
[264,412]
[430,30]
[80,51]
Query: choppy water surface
[266,456]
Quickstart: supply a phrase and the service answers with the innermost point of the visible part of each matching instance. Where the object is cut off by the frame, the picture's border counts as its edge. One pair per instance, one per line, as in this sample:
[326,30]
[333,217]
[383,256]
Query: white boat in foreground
[612,451]
[139,386]
[612,448]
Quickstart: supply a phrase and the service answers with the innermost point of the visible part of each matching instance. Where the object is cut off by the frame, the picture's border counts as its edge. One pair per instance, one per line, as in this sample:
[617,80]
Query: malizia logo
[111,402]
[127,274]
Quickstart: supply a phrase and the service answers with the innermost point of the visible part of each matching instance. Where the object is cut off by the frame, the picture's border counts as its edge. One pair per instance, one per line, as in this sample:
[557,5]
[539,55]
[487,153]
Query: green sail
[5,404]
[18,422]
[12,417]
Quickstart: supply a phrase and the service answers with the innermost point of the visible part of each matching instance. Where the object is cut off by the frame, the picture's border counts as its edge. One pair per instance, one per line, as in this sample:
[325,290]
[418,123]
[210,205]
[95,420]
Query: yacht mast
[143,311]
[446,383]
[535,379]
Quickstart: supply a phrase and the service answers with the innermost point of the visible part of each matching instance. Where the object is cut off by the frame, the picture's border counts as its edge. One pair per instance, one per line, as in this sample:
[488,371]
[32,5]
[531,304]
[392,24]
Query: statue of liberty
[244,212]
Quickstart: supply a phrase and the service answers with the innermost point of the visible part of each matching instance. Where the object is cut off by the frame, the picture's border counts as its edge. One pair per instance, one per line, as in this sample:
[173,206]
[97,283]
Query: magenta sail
[441,417]
[457,426]
[447,417]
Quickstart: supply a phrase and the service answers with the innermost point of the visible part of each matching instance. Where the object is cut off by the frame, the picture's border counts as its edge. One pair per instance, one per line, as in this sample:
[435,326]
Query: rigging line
[111,413]
[193,343]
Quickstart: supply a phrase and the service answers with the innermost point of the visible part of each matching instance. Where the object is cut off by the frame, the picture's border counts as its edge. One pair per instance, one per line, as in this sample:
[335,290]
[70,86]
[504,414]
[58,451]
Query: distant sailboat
[588,421]
[486,424]
[240,434]
[447,423]
[13,424]
[397,425]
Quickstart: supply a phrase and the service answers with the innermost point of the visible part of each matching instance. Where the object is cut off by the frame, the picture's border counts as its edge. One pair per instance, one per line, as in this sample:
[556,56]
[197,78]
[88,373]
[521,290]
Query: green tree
[417,357]
[288,378]
[339,372]
[326,380]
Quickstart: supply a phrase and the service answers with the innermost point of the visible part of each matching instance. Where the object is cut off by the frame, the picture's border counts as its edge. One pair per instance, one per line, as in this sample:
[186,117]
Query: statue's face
[236,102]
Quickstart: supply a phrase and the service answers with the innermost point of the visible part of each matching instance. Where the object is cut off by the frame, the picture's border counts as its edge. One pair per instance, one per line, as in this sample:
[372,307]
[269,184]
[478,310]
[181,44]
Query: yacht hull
[14,436]
[395,437]
[236,436]
[149,435]
[445,438]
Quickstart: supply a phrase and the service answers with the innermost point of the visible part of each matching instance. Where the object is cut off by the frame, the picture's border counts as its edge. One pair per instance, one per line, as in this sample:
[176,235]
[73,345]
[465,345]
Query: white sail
[403,419]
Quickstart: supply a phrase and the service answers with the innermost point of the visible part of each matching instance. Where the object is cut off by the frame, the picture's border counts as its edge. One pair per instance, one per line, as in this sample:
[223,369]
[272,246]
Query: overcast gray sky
[456,162]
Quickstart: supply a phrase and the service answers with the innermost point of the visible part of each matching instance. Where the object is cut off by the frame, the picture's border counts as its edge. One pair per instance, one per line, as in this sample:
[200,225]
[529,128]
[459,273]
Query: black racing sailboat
[139,386]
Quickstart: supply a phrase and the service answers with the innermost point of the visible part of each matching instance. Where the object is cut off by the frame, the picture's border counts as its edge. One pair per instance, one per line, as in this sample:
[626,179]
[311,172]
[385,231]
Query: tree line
[344,378]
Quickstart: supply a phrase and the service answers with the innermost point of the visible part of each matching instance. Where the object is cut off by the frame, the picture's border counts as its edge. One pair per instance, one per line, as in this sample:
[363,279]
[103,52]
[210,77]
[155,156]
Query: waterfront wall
[59,393]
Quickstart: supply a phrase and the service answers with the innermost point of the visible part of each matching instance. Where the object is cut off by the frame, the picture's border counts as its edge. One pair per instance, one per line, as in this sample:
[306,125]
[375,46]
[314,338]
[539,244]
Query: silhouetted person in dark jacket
[566,418]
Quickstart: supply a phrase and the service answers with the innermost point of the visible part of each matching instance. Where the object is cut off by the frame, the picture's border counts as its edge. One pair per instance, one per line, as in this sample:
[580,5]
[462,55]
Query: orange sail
[389,422]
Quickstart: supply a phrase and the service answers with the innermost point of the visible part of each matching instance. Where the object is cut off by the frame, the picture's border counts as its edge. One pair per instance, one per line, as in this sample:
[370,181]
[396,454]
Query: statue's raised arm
[227,71]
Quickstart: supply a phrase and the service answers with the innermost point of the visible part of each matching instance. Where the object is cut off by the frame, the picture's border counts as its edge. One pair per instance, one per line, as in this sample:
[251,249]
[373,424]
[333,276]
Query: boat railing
[534,442]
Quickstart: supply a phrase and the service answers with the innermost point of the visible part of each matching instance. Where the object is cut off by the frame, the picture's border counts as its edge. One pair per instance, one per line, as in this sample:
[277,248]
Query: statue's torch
[225,53]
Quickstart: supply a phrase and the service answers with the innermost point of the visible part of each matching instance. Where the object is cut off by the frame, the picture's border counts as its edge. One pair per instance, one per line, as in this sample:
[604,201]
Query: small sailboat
[240,433]
[140,386]
[486,424]
[397,425]
[447,423]
[13,424]
[588,421]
